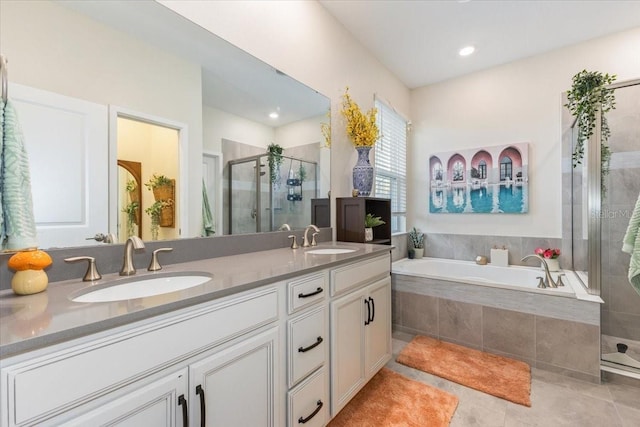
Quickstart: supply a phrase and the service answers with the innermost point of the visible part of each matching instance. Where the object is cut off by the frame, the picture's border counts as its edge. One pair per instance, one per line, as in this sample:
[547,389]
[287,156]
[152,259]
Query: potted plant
[161,186]
[275,160]
[416,239]
[588,95]
[363,132]
[154,211]
[371,221]
[163,191]
[132,217]
[550,255]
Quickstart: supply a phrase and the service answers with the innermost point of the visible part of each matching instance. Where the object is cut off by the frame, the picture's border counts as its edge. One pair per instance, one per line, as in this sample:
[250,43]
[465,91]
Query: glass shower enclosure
[260,201]
[601,206]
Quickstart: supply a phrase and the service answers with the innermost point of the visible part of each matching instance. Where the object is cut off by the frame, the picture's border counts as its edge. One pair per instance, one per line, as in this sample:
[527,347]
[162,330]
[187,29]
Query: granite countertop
[50,317]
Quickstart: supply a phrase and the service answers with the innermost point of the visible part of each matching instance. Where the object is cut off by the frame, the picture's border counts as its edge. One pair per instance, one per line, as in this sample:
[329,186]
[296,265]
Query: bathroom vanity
[275,338]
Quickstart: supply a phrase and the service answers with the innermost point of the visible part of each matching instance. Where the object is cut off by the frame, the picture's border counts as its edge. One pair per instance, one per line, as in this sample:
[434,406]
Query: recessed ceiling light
[466,51]
[274,115]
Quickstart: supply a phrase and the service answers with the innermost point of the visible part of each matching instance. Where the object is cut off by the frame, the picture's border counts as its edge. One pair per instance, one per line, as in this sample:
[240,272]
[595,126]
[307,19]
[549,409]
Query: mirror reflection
[120,76]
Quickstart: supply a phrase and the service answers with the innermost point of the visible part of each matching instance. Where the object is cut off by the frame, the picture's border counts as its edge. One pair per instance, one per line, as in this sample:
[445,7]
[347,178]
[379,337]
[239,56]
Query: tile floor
[555,400]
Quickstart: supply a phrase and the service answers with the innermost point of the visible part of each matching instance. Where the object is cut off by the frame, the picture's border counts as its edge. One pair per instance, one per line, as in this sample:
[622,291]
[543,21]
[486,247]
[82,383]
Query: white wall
[219,125]
[516,102]
[304,41]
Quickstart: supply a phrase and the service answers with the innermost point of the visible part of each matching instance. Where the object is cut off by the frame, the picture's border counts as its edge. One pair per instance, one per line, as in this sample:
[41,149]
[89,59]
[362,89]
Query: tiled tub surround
[556,333]
[466,247]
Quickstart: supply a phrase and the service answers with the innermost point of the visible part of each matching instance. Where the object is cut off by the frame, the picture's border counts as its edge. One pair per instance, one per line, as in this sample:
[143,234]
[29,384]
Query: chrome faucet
[133,242]
[548,280]
[305,241]
[285,227]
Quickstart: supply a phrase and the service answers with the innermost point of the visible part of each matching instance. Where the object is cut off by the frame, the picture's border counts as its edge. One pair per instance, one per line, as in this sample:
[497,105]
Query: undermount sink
[145,286]
[330,251]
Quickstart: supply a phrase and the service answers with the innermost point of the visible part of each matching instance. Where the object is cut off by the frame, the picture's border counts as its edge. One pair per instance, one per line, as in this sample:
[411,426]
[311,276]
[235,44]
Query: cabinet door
[378,331]
[157,404]
[236,387]
[347,347]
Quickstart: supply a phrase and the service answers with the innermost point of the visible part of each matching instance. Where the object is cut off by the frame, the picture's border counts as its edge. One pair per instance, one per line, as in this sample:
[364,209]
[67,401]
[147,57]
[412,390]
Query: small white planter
[368,234]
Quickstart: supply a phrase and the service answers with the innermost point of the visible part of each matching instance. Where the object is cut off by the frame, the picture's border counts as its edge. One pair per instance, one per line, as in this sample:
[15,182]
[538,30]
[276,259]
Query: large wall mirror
[99,85]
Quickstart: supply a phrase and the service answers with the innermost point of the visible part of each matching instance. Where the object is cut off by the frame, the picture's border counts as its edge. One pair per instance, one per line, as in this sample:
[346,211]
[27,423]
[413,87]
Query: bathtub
[500,310]
[511,277]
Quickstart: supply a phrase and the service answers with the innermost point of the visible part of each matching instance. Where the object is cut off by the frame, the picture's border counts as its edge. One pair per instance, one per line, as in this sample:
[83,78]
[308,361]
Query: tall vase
[363,172]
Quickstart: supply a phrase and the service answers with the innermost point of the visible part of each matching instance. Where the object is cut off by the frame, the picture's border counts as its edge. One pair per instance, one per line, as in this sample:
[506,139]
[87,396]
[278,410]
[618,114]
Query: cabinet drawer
[352,276]
[306,291]
[309,401]
[46,386]
[307,344]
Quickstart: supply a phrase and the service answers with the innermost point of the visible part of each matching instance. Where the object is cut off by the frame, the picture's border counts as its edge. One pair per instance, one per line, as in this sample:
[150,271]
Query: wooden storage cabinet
[351,212]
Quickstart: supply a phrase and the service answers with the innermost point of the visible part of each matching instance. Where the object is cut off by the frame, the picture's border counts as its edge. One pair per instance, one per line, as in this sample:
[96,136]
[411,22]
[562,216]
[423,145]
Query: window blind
[391,163]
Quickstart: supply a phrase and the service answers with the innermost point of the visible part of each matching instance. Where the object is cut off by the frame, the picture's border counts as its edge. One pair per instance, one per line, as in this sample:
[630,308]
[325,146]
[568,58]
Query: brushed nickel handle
[92,271]
[154,265]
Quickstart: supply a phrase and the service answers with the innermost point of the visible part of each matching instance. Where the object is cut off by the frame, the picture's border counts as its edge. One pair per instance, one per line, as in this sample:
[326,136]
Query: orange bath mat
[390,399]
[496,375]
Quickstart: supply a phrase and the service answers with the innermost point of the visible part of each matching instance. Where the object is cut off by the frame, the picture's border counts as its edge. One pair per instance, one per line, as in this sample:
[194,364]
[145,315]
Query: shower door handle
[254,213]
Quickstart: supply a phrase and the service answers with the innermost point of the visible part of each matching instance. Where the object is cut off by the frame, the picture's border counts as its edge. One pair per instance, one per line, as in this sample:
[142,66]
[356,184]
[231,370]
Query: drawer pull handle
[185,411]
[203,413]
[313,414]
[311,347]
[316,292]
[373,310]
[366,322]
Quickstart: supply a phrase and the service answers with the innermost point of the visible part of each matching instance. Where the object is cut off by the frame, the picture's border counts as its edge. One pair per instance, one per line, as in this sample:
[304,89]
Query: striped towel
[17,224]
[631,245]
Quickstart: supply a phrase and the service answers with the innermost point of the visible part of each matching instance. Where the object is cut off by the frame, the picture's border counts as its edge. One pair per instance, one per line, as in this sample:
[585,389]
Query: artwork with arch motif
[491,179]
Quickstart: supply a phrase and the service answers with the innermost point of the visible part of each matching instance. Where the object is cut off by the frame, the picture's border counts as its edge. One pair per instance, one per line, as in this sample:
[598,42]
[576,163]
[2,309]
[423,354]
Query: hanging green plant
[275,160]
[588,95]
[132,217]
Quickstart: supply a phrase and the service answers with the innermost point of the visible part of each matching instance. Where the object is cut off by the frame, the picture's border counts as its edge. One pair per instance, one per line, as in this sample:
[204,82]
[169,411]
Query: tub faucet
[305,242]
[548,280]
[133,242]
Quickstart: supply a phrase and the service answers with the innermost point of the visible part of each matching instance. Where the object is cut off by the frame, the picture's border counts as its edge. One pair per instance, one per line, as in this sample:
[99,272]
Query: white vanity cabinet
[360,326]
[160,403]
[307,351]
[237,386]
[286,354]
[109,376]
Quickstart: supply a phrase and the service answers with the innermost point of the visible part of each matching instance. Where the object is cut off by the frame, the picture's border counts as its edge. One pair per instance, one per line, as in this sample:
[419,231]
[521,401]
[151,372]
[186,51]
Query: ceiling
[419,40]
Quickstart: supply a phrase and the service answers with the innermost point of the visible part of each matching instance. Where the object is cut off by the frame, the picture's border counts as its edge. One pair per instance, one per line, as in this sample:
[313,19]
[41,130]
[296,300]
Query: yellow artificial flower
[361,128]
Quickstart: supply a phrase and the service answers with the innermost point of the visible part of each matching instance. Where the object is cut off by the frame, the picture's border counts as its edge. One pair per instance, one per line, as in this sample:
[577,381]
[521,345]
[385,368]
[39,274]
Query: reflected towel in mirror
[17,224]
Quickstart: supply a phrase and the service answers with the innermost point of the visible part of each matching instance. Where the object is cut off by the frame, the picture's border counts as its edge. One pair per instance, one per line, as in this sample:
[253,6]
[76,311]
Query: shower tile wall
[621,310]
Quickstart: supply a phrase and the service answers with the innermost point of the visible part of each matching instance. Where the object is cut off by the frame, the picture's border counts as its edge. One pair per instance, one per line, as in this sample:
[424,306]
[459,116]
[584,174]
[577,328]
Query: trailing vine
[275,160]
[588,95]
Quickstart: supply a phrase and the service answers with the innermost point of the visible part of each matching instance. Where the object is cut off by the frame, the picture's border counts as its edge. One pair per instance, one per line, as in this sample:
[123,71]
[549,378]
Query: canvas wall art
[480,180]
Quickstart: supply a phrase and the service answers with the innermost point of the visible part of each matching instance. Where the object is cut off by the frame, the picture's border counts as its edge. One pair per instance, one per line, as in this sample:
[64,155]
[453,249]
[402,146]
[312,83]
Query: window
[391,164]
[482,170]
[506,166]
